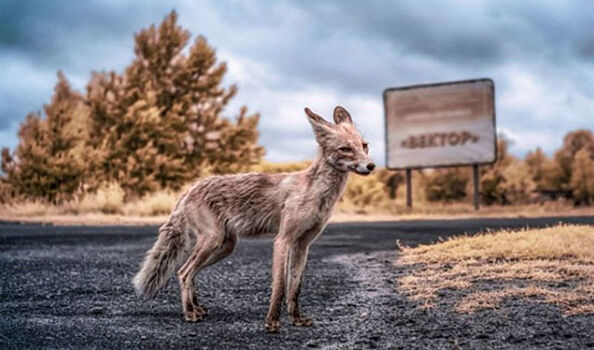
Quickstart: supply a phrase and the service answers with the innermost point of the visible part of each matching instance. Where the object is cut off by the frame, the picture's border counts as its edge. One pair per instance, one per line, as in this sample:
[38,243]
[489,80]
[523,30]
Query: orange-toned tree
[161,123]
[47,163]
[573,142]
[582,177]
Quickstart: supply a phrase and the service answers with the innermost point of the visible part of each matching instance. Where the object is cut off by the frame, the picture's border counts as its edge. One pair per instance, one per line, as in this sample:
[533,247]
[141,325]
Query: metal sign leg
[475,179]
[409,188]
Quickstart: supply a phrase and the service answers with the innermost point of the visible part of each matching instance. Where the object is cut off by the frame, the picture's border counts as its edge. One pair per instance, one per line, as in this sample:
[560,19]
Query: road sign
[445,124]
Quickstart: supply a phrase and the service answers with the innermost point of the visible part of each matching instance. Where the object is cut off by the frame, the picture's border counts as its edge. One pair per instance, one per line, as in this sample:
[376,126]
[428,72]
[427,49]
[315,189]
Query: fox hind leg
[209,250]
[191,310]
[224,250]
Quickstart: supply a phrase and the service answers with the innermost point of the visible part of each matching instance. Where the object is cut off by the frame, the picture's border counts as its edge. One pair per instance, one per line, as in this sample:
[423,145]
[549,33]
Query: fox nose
[370,166]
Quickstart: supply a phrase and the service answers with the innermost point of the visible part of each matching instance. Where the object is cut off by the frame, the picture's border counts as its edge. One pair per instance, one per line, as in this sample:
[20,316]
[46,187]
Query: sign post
[475,182]
[440,125]
[408,188]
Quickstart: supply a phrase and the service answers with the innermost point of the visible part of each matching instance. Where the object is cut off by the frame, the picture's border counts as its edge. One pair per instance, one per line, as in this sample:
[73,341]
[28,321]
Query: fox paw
[193,316]
[272,326]
[201,310]
[302,321]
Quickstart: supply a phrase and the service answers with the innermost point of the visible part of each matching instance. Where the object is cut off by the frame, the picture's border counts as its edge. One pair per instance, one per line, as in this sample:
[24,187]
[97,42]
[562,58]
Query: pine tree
[45,164]
[160,124]
[234,148]
[104,93]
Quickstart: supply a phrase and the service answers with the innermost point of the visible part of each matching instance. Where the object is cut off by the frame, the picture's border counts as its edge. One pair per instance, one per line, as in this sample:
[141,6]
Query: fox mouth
[361,172]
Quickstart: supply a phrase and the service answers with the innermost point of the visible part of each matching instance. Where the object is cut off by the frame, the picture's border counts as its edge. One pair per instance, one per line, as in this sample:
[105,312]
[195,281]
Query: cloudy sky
[285,55]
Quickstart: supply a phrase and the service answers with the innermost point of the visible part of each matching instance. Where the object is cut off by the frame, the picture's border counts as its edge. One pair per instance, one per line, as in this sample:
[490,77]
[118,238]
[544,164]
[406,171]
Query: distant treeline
[568,176]
[155,126]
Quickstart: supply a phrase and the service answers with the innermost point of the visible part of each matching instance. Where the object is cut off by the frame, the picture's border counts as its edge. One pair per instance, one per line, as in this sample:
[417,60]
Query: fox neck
[327,181]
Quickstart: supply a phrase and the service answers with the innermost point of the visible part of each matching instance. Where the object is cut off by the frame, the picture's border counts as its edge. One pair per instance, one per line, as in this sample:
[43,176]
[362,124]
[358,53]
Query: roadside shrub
[446,185]
[492,186]
[30,208]
[156,203]
[109,199]
[391,180]
[6,191]
[364,194]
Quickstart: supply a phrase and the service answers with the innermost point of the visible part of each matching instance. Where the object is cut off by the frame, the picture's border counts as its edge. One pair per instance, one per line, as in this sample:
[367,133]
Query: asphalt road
[69,288]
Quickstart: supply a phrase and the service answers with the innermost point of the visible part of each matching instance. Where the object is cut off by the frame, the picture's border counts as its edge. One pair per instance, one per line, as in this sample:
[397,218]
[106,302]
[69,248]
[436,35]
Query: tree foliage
[508,180]
[564,157]
[582,177]
[48,162]
[163,117]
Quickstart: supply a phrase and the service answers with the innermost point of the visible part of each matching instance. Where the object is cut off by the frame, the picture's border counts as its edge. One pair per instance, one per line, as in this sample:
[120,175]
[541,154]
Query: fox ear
[322,129]
[342,116]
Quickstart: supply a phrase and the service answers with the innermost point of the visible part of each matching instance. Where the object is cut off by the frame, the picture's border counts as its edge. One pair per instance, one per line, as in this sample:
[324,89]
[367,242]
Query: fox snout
[365,169]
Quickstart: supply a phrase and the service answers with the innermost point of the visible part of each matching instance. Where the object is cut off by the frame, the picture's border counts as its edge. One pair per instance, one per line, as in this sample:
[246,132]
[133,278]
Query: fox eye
[365,147]
[345,149]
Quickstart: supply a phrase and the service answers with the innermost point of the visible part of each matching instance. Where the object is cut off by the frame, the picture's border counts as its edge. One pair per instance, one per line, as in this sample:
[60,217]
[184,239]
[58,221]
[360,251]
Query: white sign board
[444,124]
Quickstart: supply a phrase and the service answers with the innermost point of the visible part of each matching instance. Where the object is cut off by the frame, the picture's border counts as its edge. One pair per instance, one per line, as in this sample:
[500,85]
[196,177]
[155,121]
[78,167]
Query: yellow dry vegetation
[553,265]
[107,201]
[365,198]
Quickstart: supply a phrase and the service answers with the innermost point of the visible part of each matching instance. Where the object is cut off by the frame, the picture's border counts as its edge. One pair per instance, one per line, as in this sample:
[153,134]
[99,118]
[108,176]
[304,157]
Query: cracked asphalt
[68,287]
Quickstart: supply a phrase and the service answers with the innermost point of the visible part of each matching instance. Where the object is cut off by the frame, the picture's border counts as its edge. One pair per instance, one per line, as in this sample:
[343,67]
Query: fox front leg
[297,261]
[279,262]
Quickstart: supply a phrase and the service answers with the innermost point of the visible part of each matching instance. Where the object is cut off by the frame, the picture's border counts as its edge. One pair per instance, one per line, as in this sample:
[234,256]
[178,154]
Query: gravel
[69,288]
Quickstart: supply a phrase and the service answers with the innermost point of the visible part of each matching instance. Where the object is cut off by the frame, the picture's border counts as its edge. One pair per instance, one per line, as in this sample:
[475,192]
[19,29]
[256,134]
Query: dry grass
[29,209]
[154,204]
[553,265]
[365,199]
[92,219]
[108,207]
[108,202]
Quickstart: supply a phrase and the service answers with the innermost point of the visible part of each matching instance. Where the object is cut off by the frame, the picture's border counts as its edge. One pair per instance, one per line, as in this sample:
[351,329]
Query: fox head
[342,145]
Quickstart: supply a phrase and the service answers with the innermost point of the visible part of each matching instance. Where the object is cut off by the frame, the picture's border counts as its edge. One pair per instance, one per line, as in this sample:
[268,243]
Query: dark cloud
[43,26]
[361,44]
[427,28]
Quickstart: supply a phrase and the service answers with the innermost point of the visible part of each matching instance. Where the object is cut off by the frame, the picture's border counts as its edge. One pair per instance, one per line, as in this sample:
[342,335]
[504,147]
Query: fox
[294,206]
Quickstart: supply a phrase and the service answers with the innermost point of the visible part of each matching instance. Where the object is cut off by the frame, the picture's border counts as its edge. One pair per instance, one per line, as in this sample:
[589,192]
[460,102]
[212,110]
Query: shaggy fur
[294,206]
